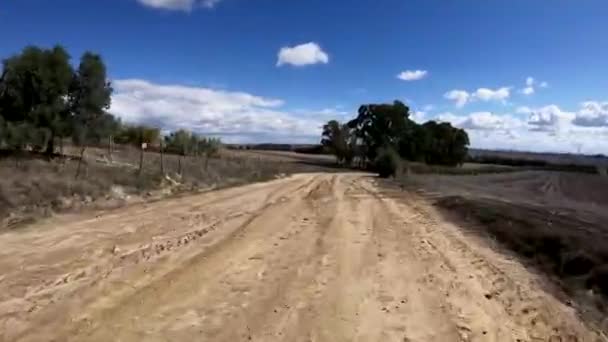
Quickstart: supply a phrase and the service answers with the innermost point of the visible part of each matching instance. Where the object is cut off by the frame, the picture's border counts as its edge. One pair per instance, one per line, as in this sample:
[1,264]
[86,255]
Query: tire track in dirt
[99,273]
[489,294]
[316,257]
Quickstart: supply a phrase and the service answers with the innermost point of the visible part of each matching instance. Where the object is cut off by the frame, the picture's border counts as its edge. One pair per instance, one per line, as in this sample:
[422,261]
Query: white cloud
[483,121]
[531,85]
[235,116]
[486,94]
[412,75]
[549,118]
[304,54]
[178,5]
[528,91]
[460,97]
[530,81]
[428,107]
[450,117]
[490,121]
[547,129]
[523,110]
[592,114]
[418,116]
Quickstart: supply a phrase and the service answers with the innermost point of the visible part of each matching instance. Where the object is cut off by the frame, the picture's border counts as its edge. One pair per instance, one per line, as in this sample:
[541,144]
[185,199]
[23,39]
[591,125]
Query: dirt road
[314,257]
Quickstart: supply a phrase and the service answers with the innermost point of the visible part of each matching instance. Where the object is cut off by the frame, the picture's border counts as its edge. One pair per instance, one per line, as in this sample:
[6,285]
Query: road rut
[312,257]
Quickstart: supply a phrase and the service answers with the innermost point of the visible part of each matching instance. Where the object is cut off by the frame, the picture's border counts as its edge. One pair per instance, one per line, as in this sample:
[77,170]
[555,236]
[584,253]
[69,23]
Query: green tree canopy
[387,127]
[380,125]
[34,88]
[339,139]
[89,97]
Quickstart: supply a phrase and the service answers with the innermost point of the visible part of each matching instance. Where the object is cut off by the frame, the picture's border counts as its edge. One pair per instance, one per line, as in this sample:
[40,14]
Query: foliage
[136,135]
[444,144]
[43,98]
[383,127]
[89,97]
[34,88]
[338,139]
[387,162]
[186,143]
[17,135]
[179,142]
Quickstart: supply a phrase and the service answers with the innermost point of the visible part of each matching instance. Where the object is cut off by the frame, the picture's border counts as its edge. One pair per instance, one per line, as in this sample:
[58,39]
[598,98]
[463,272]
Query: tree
[89,97]
[2,131]
[387,127]
[139,136]
[209,148]
[446,145]
[339,140]
[16,138]
[34,88]
[179,142]
[380,125]
[387,162]
[185,143]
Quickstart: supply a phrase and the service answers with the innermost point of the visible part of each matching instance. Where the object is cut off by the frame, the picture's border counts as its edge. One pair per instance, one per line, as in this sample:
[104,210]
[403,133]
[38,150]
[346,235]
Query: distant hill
[299,148]
[547,157]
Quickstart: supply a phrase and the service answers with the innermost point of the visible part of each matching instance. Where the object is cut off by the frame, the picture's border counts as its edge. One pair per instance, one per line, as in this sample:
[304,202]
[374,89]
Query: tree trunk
[80,162]
[179,165]
[162,164]
[61,145]
[110,149]
[50,146]
[206,163]
[141,160]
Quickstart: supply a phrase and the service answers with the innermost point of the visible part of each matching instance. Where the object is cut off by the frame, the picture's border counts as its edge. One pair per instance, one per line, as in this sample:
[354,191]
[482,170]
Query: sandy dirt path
[315,257]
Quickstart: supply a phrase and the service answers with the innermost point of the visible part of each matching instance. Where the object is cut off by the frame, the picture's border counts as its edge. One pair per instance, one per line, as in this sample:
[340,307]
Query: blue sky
[516,74]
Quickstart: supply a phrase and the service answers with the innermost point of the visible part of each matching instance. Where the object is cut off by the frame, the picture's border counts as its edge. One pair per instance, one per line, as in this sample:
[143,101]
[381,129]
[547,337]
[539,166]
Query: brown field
[318,256]
[554,222]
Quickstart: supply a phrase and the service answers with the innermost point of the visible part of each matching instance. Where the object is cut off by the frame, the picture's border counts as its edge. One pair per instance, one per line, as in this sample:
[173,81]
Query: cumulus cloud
[486,94]
[235,116]
[304,54]
[546,129]
[412,75]
[523,110]
[528,91]
[483,121]
[490,121]
[529,81]
[178,5]
[460,97]
[592,114]
[549,118]
[531,85]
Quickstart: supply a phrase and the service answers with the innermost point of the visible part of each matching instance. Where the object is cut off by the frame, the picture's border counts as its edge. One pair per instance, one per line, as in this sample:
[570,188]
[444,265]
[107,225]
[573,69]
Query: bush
[387,162]
[599,279]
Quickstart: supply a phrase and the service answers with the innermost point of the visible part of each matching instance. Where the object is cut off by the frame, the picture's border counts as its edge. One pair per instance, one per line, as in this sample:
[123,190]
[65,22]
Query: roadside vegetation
[383,131]
[60,148]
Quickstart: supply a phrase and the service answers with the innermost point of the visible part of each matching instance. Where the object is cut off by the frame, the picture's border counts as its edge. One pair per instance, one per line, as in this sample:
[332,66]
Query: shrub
[599,279]
[387,162]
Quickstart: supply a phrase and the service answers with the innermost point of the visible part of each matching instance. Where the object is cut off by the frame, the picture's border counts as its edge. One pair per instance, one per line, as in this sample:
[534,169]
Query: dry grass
[554,222]
[37,187]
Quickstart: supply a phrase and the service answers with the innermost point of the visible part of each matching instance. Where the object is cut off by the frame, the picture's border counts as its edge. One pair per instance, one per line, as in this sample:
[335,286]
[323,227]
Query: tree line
[383,130]
[44,100]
